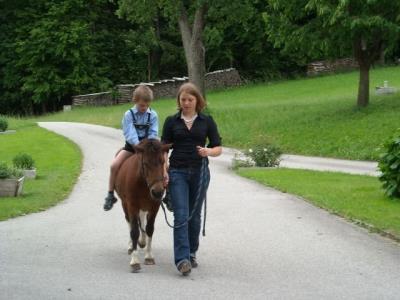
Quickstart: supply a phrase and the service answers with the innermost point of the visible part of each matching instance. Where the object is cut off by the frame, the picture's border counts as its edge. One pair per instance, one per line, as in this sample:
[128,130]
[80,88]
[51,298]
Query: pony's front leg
[142,237]
[135,263]
[148,255]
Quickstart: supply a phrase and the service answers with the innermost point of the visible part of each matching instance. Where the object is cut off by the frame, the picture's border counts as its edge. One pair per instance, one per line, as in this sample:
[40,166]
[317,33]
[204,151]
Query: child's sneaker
[109,201]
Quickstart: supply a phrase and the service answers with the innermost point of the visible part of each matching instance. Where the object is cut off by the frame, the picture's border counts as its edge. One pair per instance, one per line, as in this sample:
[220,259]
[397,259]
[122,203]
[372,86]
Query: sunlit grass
[355,197]
[314,116]
[58,163]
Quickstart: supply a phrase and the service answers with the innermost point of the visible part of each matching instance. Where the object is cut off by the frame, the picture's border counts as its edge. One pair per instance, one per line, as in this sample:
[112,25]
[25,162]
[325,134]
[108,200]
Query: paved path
[319,163]
[260,244]
[330,164]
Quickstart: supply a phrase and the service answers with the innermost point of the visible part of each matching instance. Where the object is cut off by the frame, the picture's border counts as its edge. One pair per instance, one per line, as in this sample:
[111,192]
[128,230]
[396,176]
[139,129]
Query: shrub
[389,164]
[241,161]
[264,153]
[16,173]
[23,161]
[3,124]
[7,172]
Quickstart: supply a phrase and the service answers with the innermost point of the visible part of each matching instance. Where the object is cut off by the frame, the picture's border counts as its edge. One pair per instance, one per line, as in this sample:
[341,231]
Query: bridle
[143,174]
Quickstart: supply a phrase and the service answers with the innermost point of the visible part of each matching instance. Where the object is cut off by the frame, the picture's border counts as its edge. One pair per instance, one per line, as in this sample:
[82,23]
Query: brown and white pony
[140,186]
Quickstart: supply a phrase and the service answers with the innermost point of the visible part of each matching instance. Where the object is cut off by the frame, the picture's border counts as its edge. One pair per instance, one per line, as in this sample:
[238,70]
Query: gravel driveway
[260,244]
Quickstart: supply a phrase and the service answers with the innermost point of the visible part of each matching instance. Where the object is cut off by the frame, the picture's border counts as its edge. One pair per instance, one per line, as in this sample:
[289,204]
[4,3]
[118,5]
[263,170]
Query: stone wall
[223,79]
[96,99]
[161,89]
[331,66]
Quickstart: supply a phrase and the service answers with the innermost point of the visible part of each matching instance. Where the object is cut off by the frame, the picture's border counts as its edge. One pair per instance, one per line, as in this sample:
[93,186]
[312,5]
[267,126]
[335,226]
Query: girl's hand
[166,179]
[203,152]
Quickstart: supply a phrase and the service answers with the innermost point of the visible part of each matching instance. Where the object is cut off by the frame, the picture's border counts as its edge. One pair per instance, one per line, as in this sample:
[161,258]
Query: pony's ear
[138,149]
[166,147]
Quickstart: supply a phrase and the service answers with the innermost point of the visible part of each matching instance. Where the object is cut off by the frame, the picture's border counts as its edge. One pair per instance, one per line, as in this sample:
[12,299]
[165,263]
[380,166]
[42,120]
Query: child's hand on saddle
[203,152]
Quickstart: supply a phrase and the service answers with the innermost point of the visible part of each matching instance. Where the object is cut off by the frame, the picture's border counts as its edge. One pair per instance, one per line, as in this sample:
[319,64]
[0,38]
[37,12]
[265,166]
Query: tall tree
[191,19]
[192,39]
[146,12]
[236,37]
[316,28]
[53,49]
[154,35]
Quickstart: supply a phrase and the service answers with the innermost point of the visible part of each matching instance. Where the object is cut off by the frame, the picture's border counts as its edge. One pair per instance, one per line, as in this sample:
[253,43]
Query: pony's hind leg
[130,244]
[135,262]
[148,256]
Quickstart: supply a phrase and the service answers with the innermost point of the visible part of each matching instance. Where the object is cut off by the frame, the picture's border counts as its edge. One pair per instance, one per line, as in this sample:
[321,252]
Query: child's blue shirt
[132,134]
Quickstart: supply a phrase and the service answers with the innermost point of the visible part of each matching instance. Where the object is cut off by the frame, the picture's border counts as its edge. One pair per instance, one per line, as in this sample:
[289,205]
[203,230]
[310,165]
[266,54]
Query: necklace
[189,120]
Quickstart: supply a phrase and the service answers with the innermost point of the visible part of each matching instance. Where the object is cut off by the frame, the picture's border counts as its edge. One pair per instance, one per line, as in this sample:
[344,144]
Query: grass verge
[58,163]
[313,116]
[354,197]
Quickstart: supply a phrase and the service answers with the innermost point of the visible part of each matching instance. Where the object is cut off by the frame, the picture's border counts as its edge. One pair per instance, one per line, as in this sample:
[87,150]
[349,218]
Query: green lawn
[314,116]
[354,197]
[58,163]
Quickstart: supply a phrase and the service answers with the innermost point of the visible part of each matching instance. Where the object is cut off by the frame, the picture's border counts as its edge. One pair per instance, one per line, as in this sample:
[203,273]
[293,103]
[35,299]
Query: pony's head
[152,165]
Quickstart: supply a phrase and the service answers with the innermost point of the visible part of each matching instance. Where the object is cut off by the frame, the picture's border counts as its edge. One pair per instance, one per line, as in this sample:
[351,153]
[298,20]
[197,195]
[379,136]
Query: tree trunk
[382,58]
[363,86]
[149,66]
[366,54]
[363,59]
[197,66]
[156,51]
[192,39]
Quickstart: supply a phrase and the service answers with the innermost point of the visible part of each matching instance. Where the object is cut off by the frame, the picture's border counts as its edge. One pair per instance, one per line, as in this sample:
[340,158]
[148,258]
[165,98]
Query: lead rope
[196,204]
[205,215]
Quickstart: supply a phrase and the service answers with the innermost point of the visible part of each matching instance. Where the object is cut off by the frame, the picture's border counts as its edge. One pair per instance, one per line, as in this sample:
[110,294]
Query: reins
[196,203]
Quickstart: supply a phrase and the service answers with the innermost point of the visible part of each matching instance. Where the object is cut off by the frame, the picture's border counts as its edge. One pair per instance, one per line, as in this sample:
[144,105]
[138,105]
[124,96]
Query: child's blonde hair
[142,92]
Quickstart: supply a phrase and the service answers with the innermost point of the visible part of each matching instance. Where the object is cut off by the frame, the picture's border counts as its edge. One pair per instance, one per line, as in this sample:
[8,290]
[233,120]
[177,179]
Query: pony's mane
[151,145]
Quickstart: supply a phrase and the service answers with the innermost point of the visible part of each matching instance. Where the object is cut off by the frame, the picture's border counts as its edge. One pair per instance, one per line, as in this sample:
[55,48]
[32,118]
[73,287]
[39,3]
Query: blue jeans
[184,187]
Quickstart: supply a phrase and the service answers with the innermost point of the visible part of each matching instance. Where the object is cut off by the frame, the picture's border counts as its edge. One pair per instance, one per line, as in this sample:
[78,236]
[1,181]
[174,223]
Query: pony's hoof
[130,250]
[142,245]
[135,268]
[149,261]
